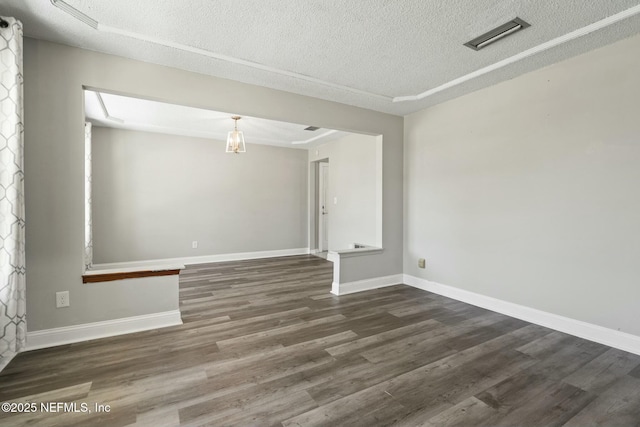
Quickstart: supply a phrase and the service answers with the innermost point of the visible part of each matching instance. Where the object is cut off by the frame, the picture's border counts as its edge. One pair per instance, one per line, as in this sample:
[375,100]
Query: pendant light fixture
[235,139]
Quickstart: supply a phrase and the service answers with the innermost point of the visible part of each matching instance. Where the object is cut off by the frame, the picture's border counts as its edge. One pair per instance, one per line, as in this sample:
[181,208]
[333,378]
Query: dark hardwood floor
[264,343]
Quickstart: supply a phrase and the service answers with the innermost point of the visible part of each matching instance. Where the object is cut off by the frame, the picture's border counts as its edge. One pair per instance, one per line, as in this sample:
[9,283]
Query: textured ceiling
[391,56]
[123,112]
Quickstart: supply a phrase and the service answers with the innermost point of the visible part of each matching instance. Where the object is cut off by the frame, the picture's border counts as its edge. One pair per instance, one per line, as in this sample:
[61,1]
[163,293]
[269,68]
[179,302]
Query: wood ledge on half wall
[108,275]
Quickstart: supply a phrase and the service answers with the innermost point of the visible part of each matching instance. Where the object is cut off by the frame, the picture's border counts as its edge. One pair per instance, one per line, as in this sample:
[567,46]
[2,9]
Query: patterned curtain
[88,232]
[13,326]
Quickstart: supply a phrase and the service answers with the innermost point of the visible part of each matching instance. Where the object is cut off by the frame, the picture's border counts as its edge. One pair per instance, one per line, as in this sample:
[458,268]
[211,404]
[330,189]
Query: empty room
[319,213]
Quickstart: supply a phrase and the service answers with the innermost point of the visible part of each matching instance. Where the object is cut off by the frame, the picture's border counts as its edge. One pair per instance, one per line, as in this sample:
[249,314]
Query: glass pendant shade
[235,140]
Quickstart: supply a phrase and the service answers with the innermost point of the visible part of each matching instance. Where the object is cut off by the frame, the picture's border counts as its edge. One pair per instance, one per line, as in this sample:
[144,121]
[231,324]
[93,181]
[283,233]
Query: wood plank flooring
[264,343]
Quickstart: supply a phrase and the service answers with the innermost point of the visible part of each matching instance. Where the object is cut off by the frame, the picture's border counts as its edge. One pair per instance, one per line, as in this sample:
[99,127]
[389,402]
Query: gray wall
[54,76]
[353,171]
[528,191]
[153,194]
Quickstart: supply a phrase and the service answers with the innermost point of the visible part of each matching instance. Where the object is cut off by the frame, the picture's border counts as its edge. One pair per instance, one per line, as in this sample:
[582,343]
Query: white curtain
[88,232]
[13,326]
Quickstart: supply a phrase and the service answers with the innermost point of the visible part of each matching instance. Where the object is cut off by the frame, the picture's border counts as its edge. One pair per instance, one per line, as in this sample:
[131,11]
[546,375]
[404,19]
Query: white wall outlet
[62,299]
[421,263]
[194,244]
[335,200]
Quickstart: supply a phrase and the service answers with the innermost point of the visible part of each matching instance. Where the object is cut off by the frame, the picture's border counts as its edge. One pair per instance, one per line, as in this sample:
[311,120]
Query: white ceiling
[125,112]
[391,56]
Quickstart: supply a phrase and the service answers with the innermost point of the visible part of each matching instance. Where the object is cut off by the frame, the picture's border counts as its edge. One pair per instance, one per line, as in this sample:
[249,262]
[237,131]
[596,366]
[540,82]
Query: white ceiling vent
[497,33]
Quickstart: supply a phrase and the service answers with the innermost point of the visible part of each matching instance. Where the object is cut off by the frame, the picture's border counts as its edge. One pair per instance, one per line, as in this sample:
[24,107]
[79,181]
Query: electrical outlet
[62,299]
[421,263]
[194,244]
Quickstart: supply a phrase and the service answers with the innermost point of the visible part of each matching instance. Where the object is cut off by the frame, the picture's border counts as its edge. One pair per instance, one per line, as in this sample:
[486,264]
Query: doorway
[323,207]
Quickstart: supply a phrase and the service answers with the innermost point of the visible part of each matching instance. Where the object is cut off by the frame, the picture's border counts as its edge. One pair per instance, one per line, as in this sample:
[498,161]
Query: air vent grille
[312,128]
[497,33]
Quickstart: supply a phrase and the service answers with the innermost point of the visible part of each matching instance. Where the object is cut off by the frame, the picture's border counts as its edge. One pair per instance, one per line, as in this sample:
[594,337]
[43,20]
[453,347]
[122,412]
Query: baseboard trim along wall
[588,331]
[365,285]
[108,328]
[205,259]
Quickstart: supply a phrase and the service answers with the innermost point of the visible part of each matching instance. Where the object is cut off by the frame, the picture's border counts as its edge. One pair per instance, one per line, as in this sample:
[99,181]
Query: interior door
[323,214]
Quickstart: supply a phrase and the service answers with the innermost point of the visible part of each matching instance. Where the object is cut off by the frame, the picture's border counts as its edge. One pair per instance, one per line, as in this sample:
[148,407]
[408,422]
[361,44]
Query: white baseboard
[588,331]
[108,328]
[365,285]
[205,259]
